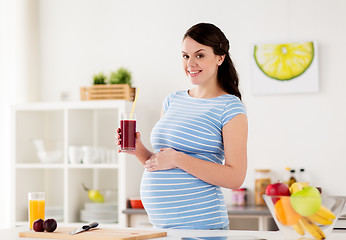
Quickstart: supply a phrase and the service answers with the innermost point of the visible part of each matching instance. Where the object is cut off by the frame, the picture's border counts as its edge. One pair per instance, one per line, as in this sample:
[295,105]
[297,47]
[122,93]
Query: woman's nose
[191,63]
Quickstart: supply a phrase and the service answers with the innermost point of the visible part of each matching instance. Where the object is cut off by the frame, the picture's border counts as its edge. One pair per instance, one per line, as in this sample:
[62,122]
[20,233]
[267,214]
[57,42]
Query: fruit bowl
[297,218]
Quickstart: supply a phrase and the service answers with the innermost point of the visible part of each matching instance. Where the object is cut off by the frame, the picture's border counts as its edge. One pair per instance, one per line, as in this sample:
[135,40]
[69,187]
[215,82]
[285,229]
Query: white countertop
[12,233]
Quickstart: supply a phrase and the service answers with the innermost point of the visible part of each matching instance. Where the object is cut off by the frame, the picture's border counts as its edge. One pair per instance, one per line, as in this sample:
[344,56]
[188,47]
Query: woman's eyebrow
[196,51]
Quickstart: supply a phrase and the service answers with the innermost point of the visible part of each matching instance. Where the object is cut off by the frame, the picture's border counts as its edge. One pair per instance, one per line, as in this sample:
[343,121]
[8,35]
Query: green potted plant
[118,86]
[121,76]
[99,79]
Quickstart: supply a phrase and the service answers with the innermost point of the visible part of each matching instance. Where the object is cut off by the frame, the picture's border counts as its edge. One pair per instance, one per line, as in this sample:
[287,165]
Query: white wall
[79,38]
[19,81]
[5,64]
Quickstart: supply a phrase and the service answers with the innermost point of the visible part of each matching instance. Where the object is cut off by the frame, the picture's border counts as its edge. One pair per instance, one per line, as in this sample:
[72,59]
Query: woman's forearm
[142,153]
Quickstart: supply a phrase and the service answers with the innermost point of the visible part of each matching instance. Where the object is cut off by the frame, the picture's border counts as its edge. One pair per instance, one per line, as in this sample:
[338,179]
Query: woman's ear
[221,59]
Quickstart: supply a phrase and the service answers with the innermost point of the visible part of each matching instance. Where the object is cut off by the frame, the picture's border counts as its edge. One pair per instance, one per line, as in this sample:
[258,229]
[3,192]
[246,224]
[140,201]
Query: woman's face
[199,62]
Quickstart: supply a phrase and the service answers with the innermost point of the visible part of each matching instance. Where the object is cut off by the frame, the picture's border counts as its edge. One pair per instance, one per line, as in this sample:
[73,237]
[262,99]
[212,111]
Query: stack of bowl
[99,212]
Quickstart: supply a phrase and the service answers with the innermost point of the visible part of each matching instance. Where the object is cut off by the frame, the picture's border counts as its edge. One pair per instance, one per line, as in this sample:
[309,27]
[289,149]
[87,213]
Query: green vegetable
[121,76]
[99,79]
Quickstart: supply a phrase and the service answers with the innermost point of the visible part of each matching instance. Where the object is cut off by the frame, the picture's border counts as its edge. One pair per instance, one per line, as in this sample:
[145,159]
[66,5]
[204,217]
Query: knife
[84,228]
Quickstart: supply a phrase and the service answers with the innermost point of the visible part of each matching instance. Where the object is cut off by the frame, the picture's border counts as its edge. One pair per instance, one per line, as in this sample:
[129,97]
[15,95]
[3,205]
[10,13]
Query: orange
[285,213]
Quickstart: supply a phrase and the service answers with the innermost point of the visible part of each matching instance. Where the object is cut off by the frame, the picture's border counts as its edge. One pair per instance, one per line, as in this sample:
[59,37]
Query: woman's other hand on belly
[163,160]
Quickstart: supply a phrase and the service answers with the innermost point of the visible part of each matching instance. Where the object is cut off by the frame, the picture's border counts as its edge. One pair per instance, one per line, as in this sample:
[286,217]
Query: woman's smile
[194,73]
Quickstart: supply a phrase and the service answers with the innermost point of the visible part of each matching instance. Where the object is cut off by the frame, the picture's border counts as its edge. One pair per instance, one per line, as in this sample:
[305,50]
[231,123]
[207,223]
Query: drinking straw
[134,103]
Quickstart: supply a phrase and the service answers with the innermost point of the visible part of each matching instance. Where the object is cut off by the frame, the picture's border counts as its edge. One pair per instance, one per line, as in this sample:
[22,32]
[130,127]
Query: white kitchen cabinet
[87,123]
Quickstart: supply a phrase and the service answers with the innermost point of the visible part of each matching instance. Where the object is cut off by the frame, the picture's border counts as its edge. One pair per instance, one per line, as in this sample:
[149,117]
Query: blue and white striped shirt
[174,198]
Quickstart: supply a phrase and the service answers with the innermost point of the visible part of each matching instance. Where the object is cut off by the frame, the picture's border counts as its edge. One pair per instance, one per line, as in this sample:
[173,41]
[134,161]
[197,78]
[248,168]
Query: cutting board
[97,233]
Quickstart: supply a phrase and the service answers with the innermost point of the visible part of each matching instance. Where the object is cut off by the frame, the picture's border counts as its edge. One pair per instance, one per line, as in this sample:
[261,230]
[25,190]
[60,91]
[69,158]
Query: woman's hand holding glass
[141,152]
[119,137]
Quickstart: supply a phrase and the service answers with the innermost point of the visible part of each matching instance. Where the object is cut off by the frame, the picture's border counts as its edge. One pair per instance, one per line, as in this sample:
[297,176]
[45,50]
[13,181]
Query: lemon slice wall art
[285,68]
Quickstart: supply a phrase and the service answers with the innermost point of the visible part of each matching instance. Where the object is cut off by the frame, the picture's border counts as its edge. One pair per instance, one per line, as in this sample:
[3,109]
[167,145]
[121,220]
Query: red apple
[277,189]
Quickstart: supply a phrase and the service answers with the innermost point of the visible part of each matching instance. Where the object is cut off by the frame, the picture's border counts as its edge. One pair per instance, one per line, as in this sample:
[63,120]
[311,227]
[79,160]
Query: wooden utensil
[97,233]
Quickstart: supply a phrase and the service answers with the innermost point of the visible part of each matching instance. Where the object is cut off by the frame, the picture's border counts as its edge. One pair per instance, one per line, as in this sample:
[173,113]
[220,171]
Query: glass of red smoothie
[128,132]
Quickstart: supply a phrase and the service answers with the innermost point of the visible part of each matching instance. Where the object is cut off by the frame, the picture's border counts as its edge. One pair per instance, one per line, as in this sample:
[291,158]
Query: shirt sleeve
[233,107]
[167,101]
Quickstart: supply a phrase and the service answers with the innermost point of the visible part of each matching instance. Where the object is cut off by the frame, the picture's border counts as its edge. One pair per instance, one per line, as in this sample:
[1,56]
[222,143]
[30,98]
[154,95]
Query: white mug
[102,153]
[75,154]
[90,154]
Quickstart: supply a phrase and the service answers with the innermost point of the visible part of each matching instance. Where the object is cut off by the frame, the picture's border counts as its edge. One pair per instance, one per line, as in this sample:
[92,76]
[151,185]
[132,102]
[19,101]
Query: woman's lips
[194,73]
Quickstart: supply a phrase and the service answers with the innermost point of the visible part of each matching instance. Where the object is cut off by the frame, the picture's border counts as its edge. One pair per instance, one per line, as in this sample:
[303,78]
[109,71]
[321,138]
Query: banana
[299,228]
[319,219]
[325,212]
[323,216]
[297,186]
[312,228]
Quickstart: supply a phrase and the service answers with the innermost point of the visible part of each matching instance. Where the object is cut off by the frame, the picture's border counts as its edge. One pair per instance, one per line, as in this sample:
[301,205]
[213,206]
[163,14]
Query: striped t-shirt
[174,198]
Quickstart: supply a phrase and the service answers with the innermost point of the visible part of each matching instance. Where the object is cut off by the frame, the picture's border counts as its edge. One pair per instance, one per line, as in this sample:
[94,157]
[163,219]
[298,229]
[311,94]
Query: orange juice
[36,211]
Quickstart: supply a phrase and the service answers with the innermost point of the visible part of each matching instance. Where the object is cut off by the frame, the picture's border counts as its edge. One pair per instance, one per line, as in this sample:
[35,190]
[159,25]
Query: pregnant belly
[169,189]
[176,199]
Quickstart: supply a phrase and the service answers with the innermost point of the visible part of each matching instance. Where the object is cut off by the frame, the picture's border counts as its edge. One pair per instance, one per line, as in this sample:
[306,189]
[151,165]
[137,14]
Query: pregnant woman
[200,141]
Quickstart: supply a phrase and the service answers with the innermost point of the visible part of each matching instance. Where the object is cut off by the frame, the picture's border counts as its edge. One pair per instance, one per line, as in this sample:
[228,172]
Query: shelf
[71,166]
[40,165]
[94,166]
[61,125]
[21,223]
[99,104]
[232,210]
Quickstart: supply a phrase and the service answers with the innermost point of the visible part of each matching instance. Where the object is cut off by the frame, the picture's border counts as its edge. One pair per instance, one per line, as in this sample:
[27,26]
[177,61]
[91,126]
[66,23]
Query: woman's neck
[200,92]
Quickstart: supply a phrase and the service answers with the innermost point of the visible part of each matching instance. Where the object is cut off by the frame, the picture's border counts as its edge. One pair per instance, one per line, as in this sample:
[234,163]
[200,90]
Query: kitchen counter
[12,233]
[232,210]
[261,215]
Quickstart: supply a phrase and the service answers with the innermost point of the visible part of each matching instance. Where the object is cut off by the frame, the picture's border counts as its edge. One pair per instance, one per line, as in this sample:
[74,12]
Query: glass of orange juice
[36,207]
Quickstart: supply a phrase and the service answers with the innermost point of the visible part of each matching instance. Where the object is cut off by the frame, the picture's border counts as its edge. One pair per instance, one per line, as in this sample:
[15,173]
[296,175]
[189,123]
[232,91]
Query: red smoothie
[128,135]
